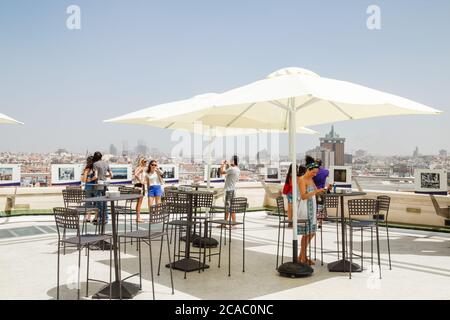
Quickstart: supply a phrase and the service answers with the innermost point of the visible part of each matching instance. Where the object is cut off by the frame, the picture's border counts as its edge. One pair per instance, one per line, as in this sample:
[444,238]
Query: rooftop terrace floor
[420,267]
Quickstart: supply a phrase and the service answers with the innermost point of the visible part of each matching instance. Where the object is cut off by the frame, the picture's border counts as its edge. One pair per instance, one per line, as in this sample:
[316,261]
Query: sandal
[310,262]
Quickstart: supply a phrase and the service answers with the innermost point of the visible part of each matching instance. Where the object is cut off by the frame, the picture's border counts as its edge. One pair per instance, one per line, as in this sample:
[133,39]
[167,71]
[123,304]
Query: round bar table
[343,264]
[129,290]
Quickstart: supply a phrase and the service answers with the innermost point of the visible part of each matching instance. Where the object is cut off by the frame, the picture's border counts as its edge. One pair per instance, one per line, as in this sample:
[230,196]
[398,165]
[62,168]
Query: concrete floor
[420,267]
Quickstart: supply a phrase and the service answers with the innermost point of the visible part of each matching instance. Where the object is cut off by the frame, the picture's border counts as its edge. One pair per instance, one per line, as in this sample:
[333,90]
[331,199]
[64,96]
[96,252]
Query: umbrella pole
[212,138]
[293,152]
[294,269]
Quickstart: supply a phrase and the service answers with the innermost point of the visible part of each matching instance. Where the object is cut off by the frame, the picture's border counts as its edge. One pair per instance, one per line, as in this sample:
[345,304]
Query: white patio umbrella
[293,97]
[182,115]
[4,119]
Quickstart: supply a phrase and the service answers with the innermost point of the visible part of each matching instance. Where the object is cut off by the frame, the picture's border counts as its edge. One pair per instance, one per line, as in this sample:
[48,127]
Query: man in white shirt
[232,177]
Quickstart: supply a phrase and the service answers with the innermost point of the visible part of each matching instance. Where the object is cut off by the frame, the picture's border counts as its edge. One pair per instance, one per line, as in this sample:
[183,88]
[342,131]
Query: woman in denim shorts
[154,181]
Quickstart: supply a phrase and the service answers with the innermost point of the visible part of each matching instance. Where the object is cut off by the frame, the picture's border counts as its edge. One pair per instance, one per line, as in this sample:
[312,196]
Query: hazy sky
[133,54]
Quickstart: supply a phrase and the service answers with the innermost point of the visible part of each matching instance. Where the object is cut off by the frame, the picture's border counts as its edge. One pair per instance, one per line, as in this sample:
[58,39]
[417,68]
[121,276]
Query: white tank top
[153,179]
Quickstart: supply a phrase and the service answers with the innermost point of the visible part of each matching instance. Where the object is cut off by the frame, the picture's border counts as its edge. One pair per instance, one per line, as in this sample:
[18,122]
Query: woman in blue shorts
[154,183]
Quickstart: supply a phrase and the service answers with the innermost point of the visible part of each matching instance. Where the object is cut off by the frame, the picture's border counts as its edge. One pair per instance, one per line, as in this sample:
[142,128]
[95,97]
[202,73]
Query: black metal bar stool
[238,205]
[359,208]
[127,208]
[384,203]
[69,220]
[229,195]
[158,216]
[328,203]
[73,197]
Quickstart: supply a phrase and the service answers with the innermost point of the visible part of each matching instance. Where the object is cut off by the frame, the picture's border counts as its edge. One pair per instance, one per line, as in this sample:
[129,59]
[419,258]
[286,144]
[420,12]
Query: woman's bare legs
[310,237]
[138,209]
[303,246]
[306,240]
[289,212]
[151,200]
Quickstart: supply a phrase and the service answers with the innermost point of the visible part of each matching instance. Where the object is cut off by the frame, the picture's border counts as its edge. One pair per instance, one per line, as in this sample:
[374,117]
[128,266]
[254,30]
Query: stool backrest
[363,207]
[66,219]
[73,196]
[203,200]
[330,203]
[384,203]
[239,205]
[177,203]
[280,208]
[158,214]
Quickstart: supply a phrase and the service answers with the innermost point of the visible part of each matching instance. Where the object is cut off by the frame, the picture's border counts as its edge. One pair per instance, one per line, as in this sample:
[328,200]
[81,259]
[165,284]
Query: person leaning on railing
[103,172]
[89,177]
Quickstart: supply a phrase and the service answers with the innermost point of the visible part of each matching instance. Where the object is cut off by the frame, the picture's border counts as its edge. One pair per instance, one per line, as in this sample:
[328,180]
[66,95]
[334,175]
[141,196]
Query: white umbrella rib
[340,110]
[240,115]
[306,104]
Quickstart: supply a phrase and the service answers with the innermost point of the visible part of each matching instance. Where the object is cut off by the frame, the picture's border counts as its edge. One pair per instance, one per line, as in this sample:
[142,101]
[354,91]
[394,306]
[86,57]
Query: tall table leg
[343,265]
[128,290]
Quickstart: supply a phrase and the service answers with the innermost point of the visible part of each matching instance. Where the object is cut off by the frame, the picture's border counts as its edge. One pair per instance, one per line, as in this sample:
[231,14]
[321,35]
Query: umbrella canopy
[186,115]
[293,97]
[4,119]
[170,111]
[316,100]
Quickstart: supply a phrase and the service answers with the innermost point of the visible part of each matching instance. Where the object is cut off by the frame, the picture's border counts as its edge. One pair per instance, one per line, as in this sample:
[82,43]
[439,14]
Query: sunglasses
[154,165]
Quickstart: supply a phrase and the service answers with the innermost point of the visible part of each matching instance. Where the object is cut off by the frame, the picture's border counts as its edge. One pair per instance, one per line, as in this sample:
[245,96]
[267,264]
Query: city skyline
[62,83]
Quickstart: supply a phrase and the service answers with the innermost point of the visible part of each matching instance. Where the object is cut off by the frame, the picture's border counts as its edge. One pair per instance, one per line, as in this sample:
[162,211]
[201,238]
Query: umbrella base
[343,266]
[295,270]
[129,290]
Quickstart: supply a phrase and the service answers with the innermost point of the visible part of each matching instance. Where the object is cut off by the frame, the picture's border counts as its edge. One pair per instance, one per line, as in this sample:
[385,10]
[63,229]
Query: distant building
[263,157]
[334,143]
[416,153]
[61,151]
[361,153]
[113,150]
[141,148]
[154,152]
[125,151]
[402,170]
[326,155]
[348,159]
[443,153]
